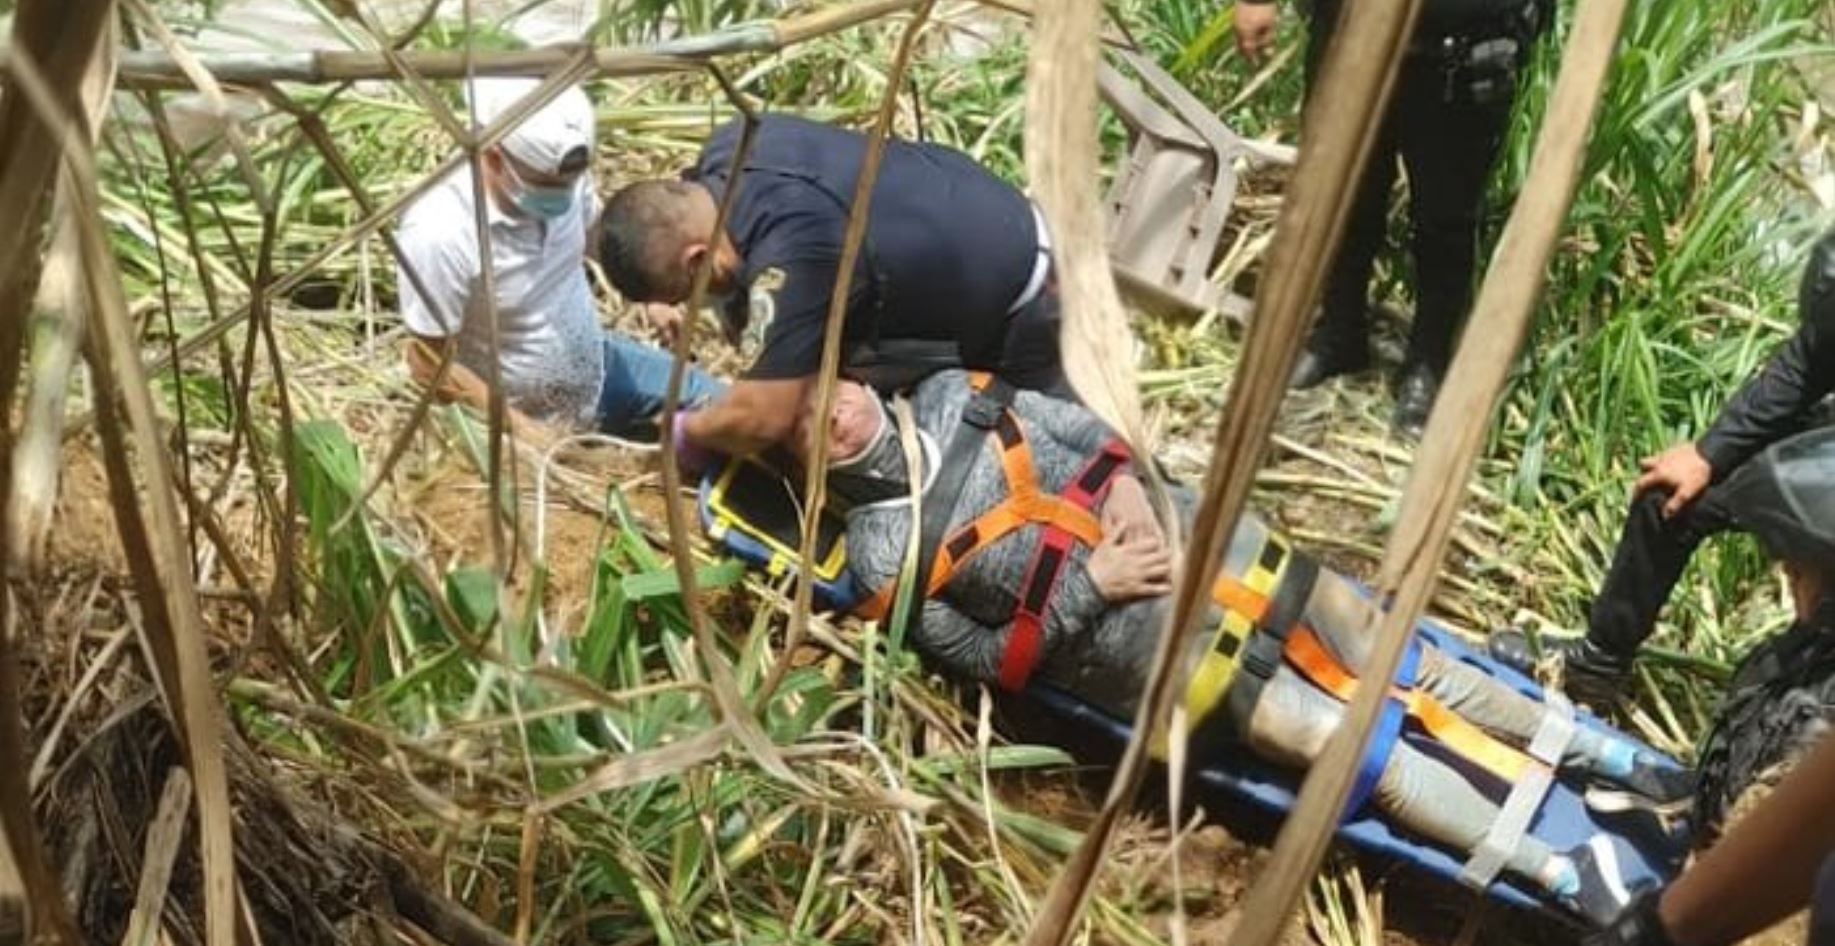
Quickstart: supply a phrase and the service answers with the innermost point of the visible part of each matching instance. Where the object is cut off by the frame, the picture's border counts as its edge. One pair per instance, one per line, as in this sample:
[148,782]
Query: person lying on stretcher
[1068,583]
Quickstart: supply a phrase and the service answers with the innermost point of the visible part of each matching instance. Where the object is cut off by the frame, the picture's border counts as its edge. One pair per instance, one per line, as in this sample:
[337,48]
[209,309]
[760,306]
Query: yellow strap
[1243,602]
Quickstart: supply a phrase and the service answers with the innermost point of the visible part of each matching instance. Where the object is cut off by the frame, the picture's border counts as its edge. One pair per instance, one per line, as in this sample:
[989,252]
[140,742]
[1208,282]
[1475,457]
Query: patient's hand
[1126,511]
[1126,565]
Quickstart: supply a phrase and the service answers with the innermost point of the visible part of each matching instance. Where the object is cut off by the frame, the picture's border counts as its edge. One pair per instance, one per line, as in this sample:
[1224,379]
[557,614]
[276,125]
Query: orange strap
[1025,505]
[1235,596]
[997,523]
[1310,657]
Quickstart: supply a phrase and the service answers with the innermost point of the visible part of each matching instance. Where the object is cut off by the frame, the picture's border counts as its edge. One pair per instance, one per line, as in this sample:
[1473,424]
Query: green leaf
[663,582]
[999,758]
[472,593]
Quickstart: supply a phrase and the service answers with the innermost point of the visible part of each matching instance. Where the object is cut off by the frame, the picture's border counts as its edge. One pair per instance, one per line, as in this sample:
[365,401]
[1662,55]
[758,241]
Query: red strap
[1026,638]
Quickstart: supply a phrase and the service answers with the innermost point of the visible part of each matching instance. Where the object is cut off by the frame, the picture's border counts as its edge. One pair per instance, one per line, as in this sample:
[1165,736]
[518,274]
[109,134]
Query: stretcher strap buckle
[987,405]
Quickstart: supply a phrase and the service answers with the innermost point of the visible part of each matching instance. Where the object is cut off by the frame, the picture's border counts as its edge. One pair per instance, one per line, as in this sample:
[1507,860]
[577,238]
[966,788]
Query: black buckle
[1263,655]
[985,406]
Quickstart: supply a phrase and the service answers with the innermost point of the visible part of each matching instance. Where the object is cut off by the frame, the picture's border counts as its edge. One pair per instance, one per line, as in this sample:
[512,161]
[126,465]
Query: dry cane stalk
[156,69]
[212,92]
[815,481]
[65,40]
[162,565]
[735,719]
[1063,161]
[56,336]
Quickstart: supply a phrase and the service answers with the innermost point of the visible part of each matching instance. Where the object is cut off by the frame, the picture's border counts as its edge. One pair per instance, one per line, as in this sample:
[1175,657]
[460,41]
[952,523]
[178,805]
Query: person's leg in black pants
[1652,552]
[1449,149]
[1340,341]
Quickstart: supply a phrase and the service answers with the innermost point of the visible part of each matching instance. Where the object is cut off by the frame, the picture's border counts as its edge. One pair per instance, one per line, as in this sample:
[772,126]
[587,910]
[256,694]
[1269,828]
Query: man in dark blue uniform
[1678,502]
[1446,122]
[954,270]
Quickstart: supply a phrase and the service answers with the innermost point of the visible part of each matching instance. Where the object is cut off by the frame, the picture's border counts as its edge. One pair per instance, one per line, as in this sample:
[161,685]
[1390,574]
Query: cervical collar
[882,460]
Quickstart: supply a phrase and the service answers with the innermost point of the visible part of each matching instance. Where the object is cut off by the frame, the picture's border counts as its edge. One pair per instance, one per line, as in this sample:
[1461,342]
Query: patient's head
[857,421]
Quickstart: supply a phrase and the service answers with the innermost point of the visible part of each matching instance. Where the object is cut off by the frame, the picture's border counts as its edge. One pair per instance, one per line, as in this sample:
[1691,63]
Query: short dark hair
[640,233]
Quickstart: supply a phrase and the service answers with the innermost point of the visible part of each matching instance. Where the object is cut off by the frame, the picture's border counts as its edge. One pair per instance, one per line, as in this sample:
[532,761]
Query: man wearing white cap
[558,368]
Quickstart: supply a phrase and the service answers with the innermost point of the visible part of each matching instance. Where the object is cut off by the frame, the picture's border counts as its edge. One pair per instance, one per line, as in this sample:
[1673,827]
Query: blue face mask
[543,203]
[548,203]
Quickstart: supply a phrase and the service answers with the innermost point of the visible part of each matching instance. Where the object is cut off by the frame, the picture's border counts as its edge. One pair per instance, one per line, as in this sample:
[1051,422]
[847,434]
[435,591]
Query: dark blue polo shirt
[948,246]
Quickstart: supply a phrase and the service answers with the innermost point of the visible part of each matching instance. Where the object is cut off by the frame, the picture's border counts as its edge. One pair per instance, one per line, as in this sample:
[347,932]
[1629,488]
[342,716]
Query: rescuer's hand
[1681,470]
[1254,24]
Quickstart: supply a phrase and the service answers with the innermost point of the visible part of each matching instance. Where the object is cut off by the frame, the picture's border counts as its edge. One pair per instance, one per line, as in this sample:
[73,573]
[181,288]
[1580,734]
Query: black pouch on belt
[1483,61]
[1485,72]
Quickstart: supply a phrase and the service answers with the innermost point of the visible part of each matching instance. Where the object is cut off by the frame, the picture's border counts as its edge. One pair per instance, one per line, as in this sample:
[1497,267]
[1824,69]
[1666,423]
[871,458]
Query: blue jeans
[636,381]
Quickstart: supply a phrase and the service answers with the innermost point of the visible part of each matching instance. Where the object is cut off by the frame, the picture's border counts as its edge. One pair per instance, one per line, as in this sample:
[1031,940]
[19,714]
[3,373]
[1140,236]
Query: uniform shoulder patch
[762,302]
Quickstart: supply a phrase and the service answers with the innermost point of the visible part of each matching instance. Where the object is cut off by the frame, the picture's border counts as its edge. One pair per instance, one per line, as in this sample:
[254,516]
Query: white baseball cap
[546,137]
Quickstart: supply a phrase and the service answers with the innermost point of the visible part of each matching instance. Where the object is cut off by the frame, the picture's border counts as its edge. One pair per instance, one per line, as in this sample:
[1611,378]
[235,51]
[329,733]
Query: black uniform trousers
[1449,145]
[1648,562]
[1787,396]
[1652,552]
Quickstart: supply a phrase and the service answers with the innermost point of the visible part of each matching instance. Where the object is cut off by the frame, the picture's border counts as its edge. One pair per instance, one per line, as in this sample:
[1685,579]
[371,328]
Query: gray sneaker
[1603,894]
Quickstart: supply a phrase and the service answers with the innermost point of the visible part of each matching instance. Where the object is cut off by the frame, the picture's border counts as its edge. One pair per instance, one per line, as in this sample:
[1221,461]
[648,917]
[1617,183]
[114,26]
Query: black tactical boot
[1338,345]
[1414,399]
[1588,673]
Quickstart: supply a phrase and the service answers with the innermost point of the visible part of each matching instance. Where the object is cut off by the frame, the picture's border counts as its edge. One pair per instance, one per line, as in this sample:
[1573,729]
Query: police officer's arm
[1774,404]
[752,415]
[761,409]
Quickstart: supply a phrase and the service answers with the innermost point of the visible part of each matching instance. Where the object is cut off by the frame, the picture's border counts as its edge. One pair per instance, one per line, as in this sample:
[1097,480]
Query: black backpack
[1781,702]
